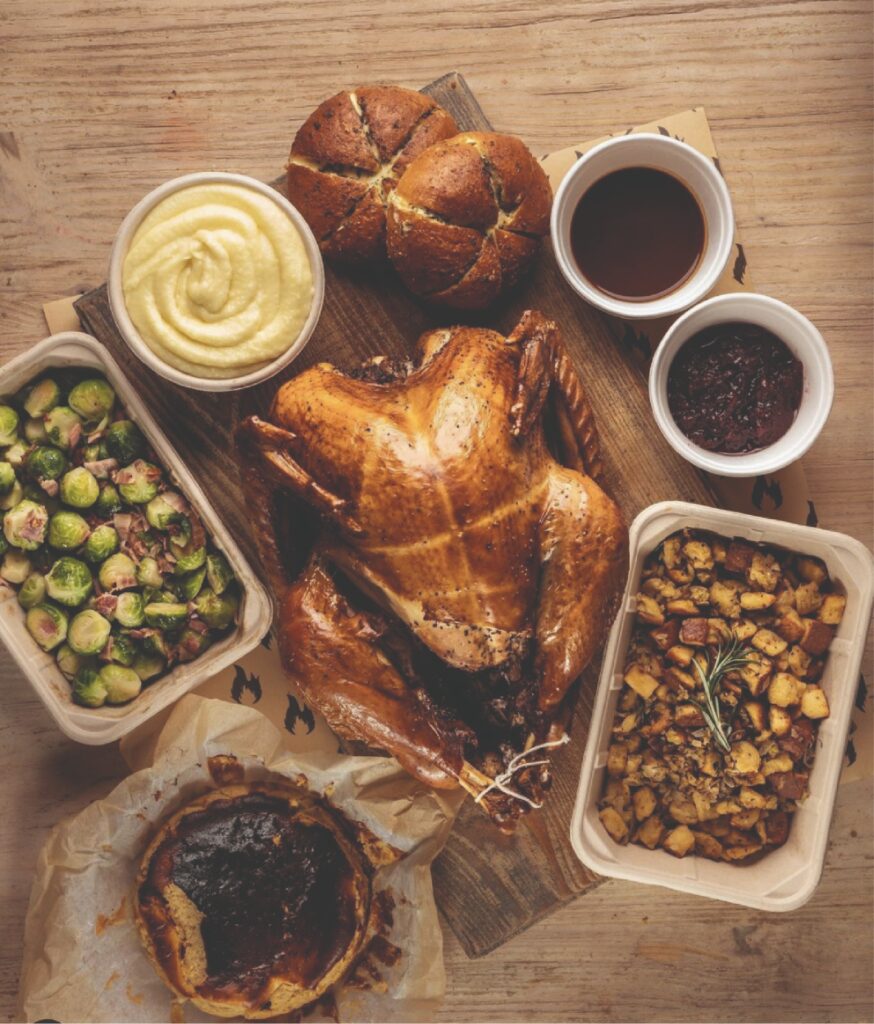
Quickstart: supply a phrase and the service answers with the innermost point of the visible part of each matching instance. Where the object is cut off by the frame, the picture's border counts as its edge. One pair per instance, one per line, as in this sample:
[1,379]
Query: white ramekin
[696,171]
[800,336]
[132,336]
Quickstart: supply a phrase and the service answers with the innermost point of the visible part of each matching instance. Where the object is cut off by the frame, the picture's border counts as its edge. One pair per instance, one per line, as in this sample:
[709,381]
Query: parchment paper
[83,958]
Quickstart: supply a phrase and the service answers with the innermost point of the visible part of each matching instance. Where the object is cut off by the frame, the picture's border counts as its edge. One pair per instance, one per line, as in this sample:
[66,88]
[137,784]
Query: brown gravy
[638,234]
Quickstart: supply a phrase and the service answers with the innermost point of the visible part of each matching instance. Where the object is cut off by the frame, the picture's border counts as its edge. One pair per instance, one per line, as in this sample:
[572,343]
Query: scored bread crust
[347,157]
[173,922]
[466,218]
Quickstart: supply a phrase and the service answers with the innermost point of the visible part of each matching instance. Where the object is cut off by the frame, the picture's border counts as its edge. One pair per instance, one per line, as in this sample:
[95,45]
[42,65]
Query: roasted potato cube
[719,549]
[703,807]
[756,714]
[811,569]
[790,626]
[632,765]
[745,819]
[756,600]
[617,755]
[776,828]
[724,597]
[708,846]
[764,572]
[769,643]
[648,610]
[718,631]
[779,720]
[682,573]
[617,793]
[780,763]
[694,631]
[652,768]
[832,609]
[641,682]
[644,801]
[797,661]
[683,810]
[667,634]
[670,553]
[745,629]
[817,636]
[629,722]
[680,654]
[785,598]
[743,759]
[785,690]
[756,673]
[814,703]
[688,716]
[743,850]
[699,554]
[681,606]
[751,798]
[789,785]
[650,832]
[700,595]
[739,556]
[807,599]
[727,807]
[611,819]
[679,841]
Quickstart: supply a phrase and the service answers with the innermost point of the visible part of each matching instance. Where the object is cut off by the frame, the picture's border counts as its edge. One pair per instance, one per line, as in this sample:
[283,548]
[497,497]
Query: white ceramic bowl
[804,341]
[665,154]
[787,877]
[132,336]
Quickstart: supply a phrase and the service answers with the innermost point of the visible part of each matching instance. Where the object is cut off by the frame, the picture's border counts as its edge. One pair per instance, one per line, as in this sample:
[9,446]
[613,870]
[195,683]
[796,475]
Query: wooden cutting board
[489,887]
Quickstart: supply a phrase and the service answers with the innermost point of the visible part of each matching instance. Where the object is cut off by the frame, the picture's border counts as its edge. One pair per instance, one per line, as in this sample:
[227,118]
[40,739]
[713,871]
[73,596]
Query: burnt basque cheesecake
[253,900]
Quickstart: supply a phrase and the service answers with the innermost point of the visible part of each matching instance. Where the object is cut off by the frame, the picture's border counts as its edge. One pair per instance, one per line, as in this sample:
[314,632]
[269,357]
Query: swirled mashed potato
[217,280]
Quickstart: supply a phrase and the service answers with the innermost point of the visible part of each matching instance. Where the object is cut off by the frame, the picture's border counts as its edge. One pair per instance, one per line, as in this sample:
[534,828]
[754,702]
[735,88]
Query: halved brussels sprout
[108,501]
[192,644]
[63,426]
[35,431]
[217,610]
[118,572]
[79,488]
[7,477]
[70,663]
[47,625]
[96,452]
[122,684]
[125,441]
[69,582]
[33,590]
[138,482]
[8,426]
[24,525]
[166,616]
[189,562]
[148,573]
[88,632]
[189,586]
[42,398]
[219,574]
[161,513]
[92,399]
[16,566]
[147,665]
[156,644]
[13,497]
[102,543]
[122,650]
[129,610]
[16,455]
[46,463]
[89,689]
[68,531]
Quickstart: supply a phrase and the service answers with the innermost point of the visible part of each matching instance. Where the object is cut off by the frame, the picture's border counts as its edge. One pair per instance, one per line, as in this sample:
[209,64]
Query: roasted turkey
[466,563]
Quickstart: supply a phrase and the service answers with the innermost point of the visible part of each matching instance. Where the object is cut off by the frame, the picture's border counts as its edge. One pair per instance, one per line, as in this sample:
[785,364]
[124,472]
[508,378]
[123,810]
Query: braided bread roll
[466,218]
[347,157]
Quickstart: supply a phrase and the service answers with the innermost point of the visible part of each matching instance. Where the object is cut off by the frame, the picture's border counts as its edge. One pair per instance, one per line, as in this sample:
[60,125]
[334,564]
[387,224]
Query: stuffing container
[104,725]
[785,878]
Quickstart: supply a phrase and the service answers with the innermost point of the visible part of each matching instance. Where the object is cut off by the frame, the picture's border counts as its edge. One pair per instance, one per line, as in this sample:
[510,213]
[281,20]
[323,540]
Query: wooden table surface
[100,102]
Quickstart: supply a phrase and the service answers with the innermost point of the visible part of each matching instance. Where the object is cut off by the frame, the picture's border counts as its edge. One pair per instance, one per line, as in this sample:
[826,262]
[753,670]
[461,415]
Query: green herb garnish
[728,657]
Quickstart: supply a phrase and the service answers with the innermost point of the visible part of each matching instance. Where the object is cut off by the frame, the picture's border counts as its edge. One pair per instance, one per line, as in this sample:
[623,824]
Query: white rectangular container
[105,724]
[786,877]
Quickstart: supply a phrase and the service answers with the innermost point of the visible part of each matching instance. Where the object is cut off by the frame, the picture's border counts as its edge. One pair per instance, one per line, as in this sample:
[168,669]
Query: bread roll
[347,157]
[466,218]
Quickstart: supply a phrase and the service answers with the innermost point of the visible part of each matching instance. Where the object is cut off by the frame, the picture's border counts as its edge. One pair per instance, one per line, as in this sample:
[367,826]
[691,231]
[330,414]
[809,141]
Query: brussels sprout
[189,562]
[125,441]
[89,689]
[216,610]
[8,426]
[156,645]
[122,684]
[219,574]
[69,582]
[46,463]
[16,566]
[70,663]
[13,497]
[67,531]
[7,477]
[32,591]
[79,488]
[88,632]
[96,452]
[47,625]
[102,543]
[63,426]
[16,455]
[35,431]
[25,524]
[108,501]
[166,616]
[147,666]
[189,586]
[42,398]
[181,536]
[92,399]
[129,609]
[4,543]
[138,482]
[118,572]
[161,513]
[192,644]
[122,650]
[148,573]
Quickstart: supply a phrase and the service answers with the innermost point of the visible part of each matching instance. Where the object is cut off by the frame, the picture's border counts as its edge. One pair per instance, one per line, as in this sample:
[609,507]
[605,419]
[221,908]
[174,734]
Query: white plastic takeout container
[786,877]
[95,726]
[132,336]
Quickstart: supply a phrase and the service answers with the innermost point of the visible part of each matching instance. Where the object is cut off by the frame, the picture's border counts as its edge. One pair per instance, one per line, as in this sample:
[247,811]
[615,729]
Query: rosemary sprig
[728,657]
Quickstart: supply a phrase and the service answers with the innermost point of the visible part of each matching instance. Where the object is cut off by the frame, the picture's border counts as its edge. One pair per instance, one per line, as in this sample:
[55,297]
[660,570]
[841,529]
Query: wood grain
[102,102]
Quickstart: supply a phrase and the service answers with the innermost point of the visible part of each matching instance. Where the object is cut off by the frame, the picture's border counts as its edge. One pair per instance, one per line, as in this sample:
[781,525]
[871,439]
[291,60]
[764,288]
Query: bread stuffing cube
[764,572]
[699,554]
[611,819]
[708,846]
[679,654]
[679,841]
[790,626]
[832,609]
[617,755]
[756,600]
[767,642]
[751,798]
[743,759]
[779,720]
[681,606]
[811,569]
[694,631]
[814,703]
[817,636]
[785,690]
[739,556]
[780,763]
[667,634]
[650,832]
[724,597]
[644,801]
[648,610]
[639,681]
[745,629]
[808,599]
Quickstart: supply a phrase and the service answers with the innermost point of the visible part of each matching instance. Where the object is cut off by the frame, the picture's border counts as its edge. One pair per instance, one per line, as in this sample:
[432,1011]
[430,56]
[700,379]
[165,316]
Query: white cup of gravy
[642,226]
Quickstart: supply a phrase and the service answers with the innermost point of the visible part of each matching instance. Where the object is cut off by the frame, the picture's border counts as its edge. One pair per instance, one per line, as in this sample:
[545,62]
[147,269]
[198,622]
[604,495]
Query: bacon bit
[122,523]
[101,468]
[198,625]
[50,487]
[34,525]
[105,604]
[75,435]
[142,633]
[176,502]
